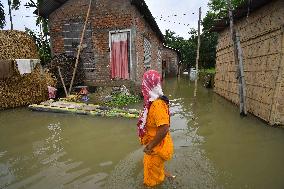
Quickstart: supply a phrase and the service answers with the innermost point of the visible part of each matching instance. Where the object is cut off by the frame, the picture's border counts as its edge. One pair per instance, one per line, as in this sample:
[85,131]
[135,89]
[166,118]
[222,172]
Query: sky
[186,12]
[168,14]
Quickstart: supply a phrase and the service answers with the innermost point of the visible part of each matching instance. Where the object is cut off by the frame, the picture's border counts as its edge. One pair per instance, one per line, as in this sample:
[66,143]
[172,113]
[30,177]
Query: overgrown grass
[208,71]
[121,100]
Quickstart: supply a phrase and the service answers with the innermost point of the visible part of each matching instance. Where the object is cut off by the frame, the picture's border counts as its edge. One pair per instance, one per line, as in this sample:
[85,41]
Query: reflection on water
[41,150]
[214,147]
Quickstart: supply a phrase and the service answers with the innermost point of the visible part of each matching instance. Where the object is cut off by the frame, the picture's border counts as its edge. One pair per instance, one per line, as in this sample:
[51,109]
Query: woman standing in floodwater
[153,129]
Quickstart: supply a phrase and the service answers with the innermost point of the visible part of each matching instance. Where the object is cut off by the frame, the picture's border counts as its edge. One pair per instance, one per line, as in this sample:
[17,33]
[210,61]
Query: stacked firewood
[17,45]
[20,90]
[66,64]
[23,90]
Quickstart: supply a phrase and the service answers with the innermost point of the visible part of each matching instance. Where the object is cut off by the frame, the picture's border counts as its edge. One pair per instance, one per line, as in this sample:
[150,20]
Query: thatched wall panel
[261,41]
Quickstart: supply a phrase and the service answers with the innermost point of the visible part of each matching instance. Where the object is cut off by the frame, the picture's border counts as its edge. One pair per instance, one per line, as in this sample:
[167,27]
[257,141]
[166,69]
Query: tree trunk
[10,13]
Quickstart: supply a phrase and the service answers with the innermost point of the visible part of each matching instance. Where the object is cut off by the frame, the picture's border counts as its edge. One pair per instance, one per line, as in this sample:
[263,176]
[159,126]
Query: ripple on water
[107,163]
[192,168]
[2,154]
[62,175]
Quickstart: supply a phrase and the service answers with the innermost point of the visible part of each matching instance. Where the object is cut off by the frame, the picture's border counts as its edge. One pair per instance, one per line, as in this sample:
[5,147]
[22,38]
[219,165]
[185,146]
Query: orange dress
[158,115]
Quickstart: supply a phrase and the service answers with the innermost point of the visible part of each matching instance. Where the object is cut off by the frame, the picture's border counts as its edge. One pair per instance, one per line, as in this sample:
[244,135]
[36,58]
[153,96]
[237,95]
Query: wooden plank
[84,109]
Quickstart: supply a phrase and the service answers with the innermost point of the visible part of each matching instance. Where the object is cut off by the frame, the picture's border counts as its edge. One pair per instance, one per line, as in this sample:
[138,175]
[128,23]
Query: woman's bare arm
[160,135]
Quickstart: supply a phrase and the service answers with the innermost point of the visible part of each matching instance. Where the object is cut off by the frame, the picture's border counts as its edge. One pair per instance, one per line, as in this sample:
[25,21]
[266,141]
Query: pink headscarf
[151,90]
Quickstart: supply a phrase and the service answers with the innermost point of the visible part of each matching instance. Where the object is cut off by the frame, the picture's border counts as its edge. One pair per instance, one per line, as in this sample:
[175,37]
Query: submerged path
[214,147]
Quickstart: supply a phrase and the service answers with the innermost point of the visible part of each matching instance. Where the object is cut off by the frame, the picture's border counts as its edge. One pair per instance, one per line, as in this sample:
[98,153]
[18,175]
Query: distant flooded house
[170,62]
[261,28]
[122,38]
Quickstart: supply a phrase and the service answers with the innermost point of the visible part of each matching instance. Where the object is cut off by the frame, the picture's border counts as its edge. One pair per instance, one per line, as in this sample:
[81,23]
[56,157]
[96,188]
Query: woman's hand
[148,149]
[160,135]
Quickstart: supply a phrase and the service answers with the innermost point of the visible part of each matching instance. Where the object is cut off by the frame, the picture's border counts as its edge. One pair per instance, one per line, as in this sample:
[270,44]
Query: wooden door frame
[130,47]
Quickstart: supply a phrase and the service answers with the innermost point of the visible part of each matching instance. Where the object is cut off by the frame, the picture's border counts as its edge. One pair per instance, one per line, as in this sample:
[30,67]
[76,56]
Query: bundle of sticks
[17,45]
[66,64]
[24,90]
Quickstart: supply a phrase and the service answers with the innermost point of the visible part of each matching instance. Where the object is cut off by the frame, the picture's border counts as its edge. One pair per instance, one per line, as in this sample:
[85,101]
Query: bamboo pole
[241,76]
[198,42]
[63,83]
[80,47]
[197,55]
[238,61]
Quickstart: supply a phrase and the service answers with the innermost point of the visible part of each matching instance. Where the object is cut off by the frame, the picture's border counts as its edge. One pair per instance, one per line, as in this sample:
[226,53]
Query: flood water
[214,147]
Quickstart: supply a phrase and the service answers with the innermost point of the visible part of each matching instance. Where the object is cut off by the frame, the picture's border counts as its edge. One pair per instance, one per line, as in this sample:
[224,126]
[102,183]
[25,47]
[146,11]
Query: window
[147,53]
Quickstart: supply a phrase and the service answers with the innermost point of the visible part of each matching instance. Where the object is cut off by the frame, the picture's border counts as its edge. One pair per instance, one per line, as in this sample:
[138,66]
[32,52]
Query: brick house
[122,38]
[170,62]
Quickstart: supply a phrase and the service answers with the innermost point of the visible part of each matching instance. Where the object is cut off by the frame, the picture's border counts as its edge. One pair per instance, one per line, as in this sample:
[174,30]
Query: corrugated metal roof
[241,12]
[49,6]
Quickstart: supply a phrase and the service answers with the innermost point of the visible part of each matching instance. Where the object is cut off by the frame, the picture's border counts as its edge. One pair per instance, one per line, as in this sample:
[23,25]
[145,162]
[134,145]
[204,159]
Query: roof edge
[144,10]
[50,6]
[240,12]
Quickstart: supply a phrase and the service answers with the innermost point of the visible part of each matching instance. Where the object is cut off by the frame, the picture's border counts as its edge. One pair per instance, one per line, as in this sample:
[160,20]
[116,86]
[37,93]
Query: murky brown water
[214,148]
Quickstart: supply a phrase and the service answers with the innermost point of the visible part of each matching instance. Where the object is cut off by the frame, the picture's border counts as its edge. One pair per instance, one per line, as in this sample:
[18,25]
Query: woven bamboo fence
[20,90]
[262,43]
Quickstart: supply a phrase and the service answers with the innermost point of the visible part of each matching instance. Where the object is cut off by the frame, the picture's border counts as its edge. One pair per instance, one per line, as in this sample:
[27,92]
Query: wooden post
[80,47]
[62,81]
[198,42]
[241,76]
[197,54]
[238,60]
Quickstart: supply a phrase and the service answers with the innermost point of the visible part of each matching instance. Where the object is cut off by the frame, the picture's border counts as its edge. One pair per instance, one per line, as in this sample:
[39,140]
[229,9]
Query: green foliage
[220,8]
[208,71]
[40,21]
[15,4]
[184,46]
[208,50]
[42,38]
[2,16]
[188,47]
[43,46]
[209,40]
[31,4]
[121,100]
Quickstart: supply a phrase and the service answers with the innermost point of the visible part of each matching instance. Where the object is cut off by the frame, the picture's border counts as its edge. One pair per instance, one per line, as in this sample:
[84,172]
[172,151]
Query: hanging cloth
[119,56]
[51,92]
[26,65]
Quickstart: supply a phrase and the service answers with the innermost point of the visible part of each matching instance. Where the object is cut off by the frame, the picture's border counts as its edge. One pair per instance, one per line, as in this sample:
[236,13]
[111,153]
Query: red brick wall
[144,30]
[109,16]
[106,16]
[70,10]
[171,58]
